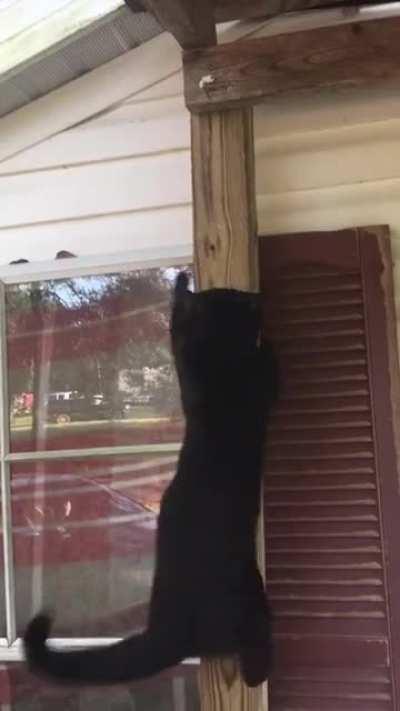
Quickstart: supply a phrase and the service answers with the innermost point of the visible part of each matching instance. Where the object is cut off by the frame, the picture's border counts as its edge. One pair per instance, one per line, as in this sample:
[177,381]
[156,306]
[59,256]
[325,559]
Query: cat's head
[220,323]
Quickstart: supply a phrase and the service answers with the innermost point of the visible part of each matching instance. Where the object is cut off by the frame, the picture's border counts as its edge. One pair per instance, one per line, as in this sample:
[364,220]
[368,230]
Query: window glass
[89,362]
[174,690]
[84,533]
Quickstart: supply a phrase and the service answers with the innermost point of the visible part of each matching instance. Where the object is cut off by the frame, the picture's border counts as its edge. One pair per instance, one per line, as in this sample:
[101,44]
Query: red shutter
[332,507]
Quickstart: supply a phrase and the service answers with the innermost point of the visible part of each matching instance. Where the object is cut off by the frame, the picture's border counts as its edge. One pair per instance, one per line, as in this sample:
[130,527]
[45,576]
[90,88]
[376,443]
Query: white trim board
[100,264]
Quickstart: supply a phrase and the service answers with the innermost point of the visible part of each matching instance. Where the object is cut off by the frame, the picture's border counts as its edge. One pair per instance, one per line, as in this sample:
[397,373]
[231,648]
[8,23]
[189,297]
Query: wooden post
[225,244]
[224,211]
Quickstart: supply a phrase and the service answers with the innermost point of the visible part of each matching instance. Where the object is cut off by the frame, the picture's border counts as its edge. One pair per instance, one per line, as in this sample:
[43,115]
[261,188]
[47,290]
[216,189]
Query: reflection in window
[174,690]
[84,540]
[90,361]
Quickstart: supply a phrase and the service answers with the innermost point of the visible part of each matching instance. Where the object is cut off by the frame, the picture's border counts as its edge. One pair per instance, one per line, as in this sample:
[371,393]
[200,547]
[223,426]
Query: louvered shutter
[331,506]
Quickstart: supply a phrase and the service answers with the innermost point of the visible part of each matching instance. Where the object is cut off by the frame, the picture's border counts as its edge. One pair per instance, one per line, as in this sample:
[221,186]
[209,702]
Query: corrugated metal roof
[80,53]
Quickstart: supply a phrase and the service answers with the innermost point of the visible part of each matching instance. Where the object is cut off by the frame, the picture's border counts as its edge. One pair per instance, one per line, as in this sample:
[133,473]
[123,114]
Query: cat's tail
[133,658]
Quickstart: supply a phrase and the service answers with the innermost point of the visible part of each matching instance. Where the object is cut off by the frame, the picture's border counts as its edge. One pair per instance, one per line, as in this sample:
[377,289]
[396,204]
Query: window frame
[11,648]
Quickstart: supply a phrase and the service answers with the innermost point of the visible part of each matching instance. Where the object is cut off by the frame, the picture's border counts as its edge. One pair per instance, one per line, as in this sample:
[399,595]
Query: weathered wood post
[224,211]
[225,248]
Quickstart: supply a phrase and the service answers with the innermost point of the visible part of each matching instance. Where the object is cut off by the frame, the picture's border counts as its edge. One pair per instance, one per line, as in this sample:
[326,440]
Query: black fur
[208,596]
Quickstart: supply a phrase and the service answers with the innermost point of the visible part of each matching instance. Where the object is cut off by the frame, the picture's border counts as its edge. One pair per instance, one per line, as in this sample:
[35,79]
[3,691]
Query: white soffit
[48,43]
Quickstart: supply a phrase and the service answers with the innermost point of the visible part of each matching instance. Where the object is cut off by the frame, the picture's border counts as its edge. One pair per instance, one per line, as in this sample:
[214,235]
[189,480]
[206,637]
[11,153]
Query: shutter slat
[303,313]
[325,450]
[315,497]
[310,421]
[322,405]
[353,344]
[335,597]
[332,359]
[323,376]
[305,627]
[299,435]
[339,560]
[336,591]
[353,297]
[370,678]
[325,467]
[318,484]
[309,545]
[319,284]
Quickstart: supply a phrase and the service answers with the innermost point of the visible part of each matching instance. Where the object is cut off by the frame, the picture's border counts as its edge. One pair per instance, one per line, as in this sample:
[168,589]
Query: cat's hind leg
[256,652]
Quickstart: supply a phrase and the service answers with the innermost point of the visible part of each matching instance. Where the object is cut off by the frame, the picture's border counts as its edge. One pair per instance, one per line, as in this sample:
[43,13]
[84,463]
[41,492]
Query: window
[90,434]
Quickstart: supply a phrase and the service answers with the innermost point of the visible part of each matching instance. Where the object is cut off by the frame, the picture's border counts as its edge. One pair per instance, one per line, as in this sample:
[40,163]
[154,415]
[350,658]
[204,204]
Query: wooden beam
[225,247]
[331,60]
[191,22]
[226,10]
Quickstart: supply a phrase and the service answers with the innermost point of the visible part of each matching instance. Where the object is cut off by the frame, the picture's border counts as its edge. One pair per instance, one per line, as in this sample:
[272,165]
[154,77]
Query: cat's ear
[181,285]
[183,298]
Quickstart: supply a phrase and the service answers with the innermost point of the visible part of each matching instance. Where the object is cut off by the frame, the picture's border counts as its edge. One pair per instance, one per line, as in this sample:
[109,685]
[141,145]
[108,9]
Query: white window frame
[11,649]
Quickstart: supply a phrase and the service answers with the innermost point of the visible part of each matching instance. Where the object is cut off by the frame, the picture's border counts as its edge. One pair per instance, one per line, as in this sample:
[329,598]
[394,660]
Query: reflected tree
[97,335]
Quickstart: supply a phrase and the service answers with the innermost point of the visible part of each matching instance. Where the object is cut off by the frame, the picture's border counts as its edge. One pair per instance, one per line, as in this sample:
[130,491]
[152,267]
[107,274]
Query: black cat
[208,597]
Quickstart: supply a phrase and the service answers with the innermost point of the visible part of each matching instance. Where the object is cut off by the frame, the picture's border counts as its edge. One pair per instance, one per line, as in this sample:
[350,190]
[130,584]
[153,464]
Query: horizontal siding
[76,192]
[117,183]
[355,154]
[133,130]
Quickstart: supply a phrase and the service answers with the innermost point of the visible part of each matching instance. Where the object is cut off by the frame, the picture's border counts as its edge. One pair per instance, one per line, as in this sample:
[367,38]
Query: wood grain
[331,60]
[225,256]
[222,689]
[224,200]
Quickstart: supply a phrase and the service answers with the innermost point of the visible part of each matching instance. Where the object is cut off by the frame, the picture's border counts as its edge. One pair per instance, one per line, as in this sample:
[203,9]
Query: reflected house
[132,386]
